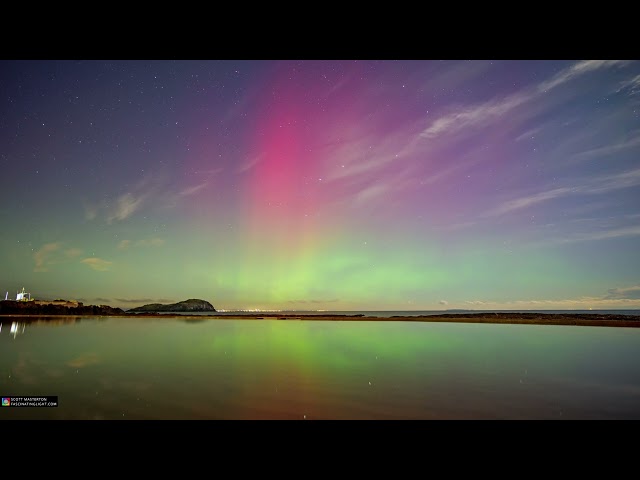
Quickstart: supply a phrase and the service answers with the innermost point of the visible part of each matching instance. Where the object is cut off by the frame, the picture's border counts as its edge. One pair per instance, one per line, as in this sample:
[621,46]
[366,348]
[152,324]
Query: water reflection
[19,327]
[16,328]
[163,368]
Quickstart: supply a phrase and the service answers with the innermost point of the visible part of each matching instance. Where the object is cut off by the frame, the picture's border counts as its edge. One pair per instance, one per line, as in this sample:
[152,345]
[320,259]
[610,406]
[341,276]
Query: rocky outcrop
[11,307]
[191,305]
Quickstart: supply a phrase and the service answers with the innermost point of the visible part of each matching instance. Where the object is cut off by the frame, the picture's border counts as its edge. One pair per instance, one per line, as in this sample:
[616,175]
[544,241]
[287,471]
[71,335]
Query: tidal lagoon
[171,368]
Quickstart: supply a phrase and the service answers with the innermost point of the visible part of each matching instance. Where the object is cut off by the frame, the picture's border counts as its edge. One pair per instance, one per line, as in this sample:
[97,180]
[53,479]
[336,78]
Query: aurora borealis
[337,185]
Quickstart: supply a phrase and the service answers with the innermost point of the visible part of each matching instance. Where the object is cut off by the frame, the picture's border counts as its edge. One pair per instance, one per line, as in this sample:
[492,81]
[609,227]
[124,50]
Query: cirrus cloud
[42,257]
[627,293]
[97,264]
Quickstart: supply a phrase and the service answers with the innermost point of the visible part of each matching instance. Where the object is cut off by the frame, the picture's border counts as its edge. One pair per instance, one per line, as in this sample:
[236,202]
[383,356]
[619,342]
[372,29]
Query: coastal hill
[56,307]
[191,305]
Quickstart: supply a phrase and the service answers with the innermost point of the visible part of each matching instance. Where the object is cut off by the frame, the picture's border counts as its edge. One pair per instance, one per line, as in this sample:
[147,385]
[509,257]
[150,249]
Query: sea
[155,368]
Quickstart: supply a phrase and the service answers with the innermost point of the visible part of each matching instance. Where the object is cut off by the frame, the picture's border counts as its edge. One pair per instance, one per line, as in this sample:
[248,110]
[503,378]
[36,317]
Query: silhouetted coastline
[28,311]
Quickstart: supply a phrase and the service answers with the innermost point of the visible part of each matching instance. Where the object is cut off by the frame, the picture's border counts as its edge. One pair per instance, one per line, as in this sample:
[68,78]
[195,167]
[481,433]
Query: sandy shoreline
[594,320]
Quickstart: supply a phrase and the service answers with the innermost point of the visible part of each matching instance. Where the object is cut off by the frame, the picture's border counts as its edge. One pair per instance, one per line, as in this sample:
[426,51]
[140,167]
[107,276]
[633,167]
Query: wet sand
[592,320]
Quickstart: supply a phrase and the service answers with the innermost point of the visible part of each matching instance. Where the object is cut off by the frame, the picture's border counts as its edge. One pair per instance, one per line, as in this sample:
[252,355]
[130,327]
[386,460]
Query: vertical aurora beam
[283,196]
[299,213]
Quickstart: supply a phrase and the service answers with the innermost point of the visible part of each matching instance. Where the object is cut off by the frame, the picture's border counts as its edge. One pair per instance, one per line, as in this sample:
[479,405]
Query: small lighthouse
[23,296]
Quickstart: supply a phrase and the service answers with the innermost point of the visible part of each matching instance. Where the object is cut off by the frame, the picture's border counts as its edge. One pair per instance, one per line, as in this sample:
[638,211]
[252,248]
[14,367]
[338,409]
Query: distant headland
[191,305]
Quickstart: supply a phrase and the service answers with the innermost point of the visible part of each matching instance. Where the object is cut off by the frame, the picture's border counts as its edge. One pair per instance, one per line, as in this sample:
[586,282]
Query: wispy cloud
[367,167]
[153,190]
[619,297]
[628,292]
[528,135]
[608,183]
[634,141]
[632,86]
[126,205]
[382,188]
[596,185]
[482,114]
[90,212]
[145,242]
[443,302]
[43,255]
[599,235]
[193,190]
[52,254]
[97,264]
[579,303]
[475,115]
[104,300]
[370,192]
[342,81]
[578,69]
[364,167]
[249,164]
[362,153]
[524,202]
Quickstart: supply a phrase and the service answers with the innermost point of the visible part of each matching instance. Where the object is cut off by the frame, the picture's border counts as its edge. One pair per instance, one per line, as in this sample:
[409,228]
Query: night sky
[337,185]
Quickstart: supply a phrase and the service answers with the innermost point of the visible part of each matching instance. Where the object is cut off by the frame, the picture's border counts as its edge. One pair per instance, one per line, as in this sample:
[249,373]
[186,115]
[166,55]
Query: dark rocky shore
[49,312]
[69,308]
[584,319]
[535,316]
[11,307]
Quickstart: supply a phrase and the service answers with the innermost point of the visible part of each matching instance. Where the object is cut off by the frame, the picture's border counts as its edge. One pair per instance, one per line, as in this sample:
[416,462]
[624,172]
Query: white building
[23,297]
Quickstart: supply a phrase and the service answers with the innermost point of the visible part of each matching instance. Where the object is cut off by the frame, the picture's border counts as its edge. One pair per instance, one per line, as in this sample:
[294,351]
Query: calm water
[413,313]
[133,368]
